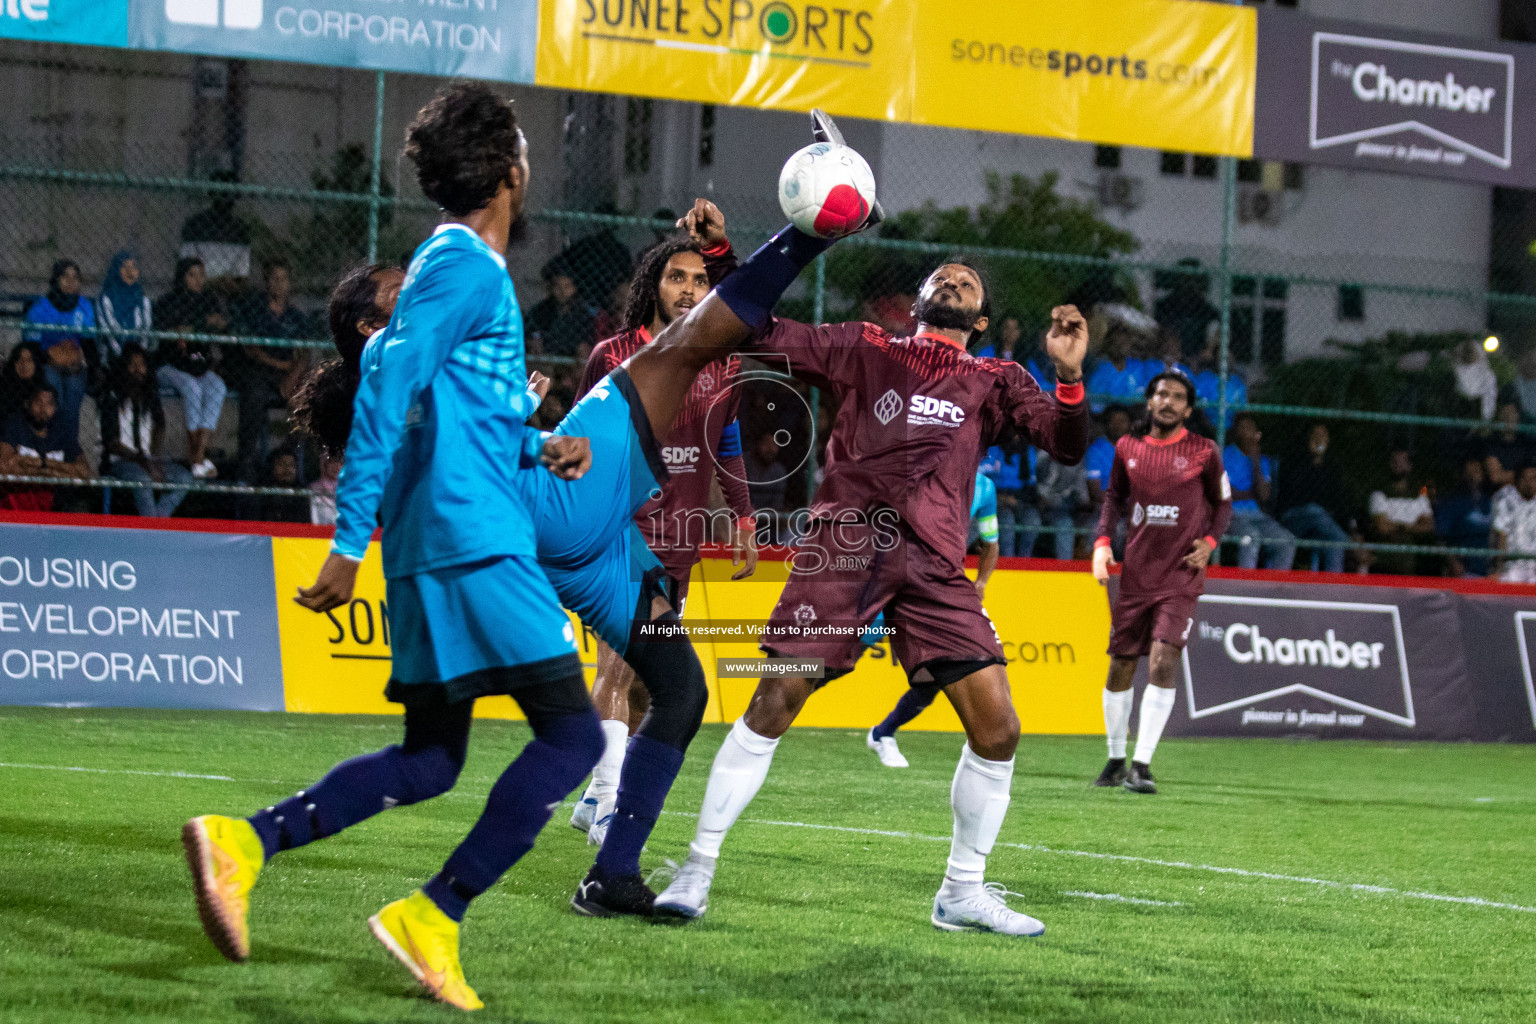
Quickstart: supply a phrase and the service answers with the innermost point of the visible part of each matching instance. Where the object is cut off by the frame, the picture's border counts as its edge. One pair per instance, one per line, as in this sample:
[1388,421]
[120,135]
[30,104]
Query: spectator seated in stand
[283,471]
[562,322]
[122,310]
[1018,518]
[1208,387]
[70,358]
[1401,513]
[132,426]
[1524,388]
[1507,449]
[1062,495]
[187,366]
[1165,355]
[1117,374]
[1464,519]
[322,493]
[1313,500]
[35,442]
[1514,526]
[1250,473]
[23,369]
[264,375]
[1476,384]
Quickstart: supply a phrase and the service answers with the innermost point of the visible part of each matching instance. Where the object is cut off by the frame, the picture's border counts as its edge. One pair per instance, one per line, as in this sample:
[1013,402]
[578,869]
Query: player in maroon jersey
[1172,484]
[672,277]
[888,528]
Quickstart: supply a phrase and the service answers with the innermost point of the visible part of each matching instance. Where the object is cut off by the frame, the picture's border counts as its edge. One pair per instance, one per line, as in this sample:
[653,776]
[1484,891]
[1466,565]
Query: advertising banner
[490,39]
[1266,659]
[854,59]
[1175,76]
[1369,98]
[130,618]
[89,22]
[1500,657]
[1135,72]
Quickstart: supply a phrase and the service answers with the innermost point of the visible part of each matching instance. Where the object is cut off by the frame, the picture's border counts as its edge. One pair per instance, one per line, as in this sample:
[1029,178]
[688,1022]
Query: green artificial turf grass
[805,924]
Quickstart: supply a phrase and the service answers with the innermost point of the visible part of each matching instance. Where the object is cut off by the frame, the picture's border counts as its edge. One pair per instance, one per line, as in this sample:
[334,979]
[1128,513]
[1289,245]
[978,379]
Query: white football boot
[885,748]
[981,909]
[688,895]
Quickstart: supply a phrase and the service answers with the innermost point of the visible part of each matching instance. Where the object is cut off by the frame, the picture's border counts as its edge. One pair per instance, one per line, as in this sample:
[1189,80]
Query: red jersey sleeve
[1218,492]
[1115,496]
[599,365]
[719,262]
[1060,430]
[827,356]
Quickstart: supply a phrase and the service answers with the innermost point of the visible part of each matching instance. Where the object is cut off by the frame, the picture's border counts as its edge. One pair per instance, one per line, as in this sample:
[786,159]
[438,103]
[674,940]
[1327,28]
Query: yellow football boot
[426,940]
[225,856]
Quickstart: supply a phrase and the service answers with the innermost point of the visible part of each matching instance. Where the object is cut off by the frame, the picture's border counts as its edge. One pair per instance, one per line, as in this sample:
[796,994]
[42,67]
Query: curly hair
[645,286]
[464,143]
[322,405]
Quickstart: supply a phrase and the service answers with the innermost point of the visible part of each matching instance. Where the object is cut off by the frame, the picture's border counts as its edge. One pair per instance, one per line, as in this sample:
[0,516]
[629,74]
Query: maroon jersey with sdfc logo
[1174,492]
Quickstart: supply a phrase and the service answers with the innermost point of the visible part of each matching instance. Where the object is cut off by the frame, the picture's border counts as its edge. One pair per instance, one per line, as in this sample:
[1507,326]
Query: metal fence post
[376,169]
[818,314]
[1224,282]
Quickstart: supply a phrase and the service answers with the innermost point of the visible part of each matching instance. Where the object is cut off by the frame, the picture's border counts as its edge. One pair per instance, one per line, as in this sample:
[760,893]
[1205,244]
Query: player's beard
[949,316]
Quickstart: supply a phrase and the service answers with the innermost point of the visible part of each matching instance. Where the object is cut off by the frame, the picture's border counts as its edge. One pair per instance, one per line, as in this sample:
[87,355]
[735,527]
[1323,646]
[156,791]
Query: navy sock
[912,704]
[354,791]
[756,286]
[564,749]
[650,768]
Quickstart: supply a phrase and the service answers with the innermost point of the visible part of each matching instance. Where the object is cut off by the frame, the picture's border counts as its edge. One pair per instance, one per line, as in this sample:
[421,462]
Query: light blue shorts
[476,630]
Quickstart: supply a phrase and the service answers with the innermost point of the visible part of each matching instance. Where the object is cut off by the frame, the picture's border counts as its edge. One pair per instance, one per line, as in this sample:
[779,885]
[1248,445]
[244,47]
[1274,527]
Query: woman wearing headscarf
[69,354]
[23,369]
[187,366]
[123,310]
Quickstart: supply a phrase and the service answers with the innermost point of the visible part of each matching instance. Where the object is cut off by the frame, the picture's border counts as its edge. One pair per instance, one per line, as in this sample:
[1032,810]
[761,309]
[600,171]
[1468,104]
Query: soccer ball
[827,190]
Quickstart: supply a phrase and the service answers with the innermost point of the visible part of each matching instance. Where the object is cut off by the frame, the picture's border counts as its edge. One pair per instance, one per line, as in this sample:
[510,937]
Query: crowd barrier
[119,612]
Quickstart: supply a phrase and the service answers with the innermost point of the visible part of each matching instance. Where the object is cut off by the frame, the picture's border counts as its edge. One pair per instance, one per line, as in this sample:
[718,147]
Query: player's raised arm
[1058,425]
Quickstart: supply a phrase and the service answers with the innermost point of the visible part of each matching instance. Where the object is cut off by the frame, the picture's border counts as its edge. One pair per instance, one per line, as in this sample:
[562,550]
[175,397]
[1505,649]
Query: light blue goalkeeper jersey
[438,424]
[984,508]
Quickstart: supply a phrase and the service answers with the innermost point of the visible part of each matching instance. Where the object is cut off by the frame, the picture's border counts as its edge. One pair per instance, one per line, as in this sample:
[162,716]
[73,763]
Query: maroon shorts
[845,575]
[1138,619]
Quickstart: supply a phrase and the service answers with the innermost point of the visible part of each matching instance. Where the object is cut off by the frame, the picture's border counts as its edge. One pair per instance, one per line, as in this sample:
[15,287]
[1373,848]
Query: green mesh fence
[1388,354]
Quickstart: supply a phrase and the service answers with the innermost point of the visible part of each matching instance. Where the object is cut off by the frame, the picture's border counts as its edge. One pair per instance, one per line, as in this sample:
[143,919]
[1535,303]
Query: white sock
[979,798]
[1117,719]
[1156,705]
[605,774]
[737,775]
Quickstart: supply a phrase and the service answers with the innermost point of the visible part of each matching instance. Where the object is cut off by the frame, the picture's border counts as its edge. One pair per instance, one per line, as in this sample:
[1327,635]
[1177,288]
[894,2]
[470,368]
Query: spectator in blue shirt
[1464,519]
[1166,355]
[70,357]
[1250,473]
[1118,374]
[1208,388]
[1018,519]
[1101,456]
[123,309]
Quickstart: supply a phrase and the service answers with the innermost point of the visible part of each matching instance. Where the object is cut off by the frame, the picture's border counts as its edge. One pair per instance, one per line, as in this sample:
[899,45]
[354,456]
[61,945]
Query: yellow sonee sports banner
[1168,74]
[1054,627]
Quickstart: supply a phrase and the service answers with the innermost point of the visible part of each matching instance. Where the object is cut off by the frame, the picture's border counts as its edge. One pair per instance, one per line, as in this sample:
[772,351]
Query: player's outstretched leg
[1156,705]
[670,669]
[979,798]
[1118,700]
[613,692]
[226,854]
[422,930]
[882,738]
[737,774]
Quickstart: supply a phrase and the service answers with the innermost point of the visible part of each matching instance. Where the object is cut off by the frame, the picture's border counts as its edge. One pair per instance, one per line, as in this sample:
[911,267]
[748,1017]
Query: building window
[1351,302]
[1195,165]
[1174,163]
[1203,167]
[637,136]
[1250,171]
[1292,176]
[1258,320]
[707,135]
[1107,157]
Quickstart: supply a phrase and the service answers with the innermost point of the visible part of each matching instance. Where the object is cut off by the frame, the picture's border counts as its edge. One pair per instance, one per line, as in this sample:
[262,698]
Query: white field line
[1380,890]
[1115,897]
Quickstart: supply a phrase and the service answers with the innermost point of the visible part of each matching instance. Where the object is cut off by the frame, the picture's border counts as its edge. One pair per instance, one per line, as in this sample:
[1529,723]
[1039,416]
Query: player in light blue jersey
[882,738]
[437,444]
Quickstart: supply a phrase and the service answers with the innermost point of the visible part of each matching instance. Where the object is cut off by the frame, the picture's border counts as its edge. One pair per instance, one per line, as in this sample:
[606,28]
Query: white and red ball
[827,190]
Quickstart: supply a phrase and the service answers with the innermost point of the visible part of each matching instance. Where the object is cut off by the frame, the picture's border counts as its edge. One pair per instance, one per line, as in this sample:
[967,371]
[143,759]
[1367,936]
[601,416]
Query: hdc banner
[1135,72]
[89,22]
[137,618]
[491,39]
